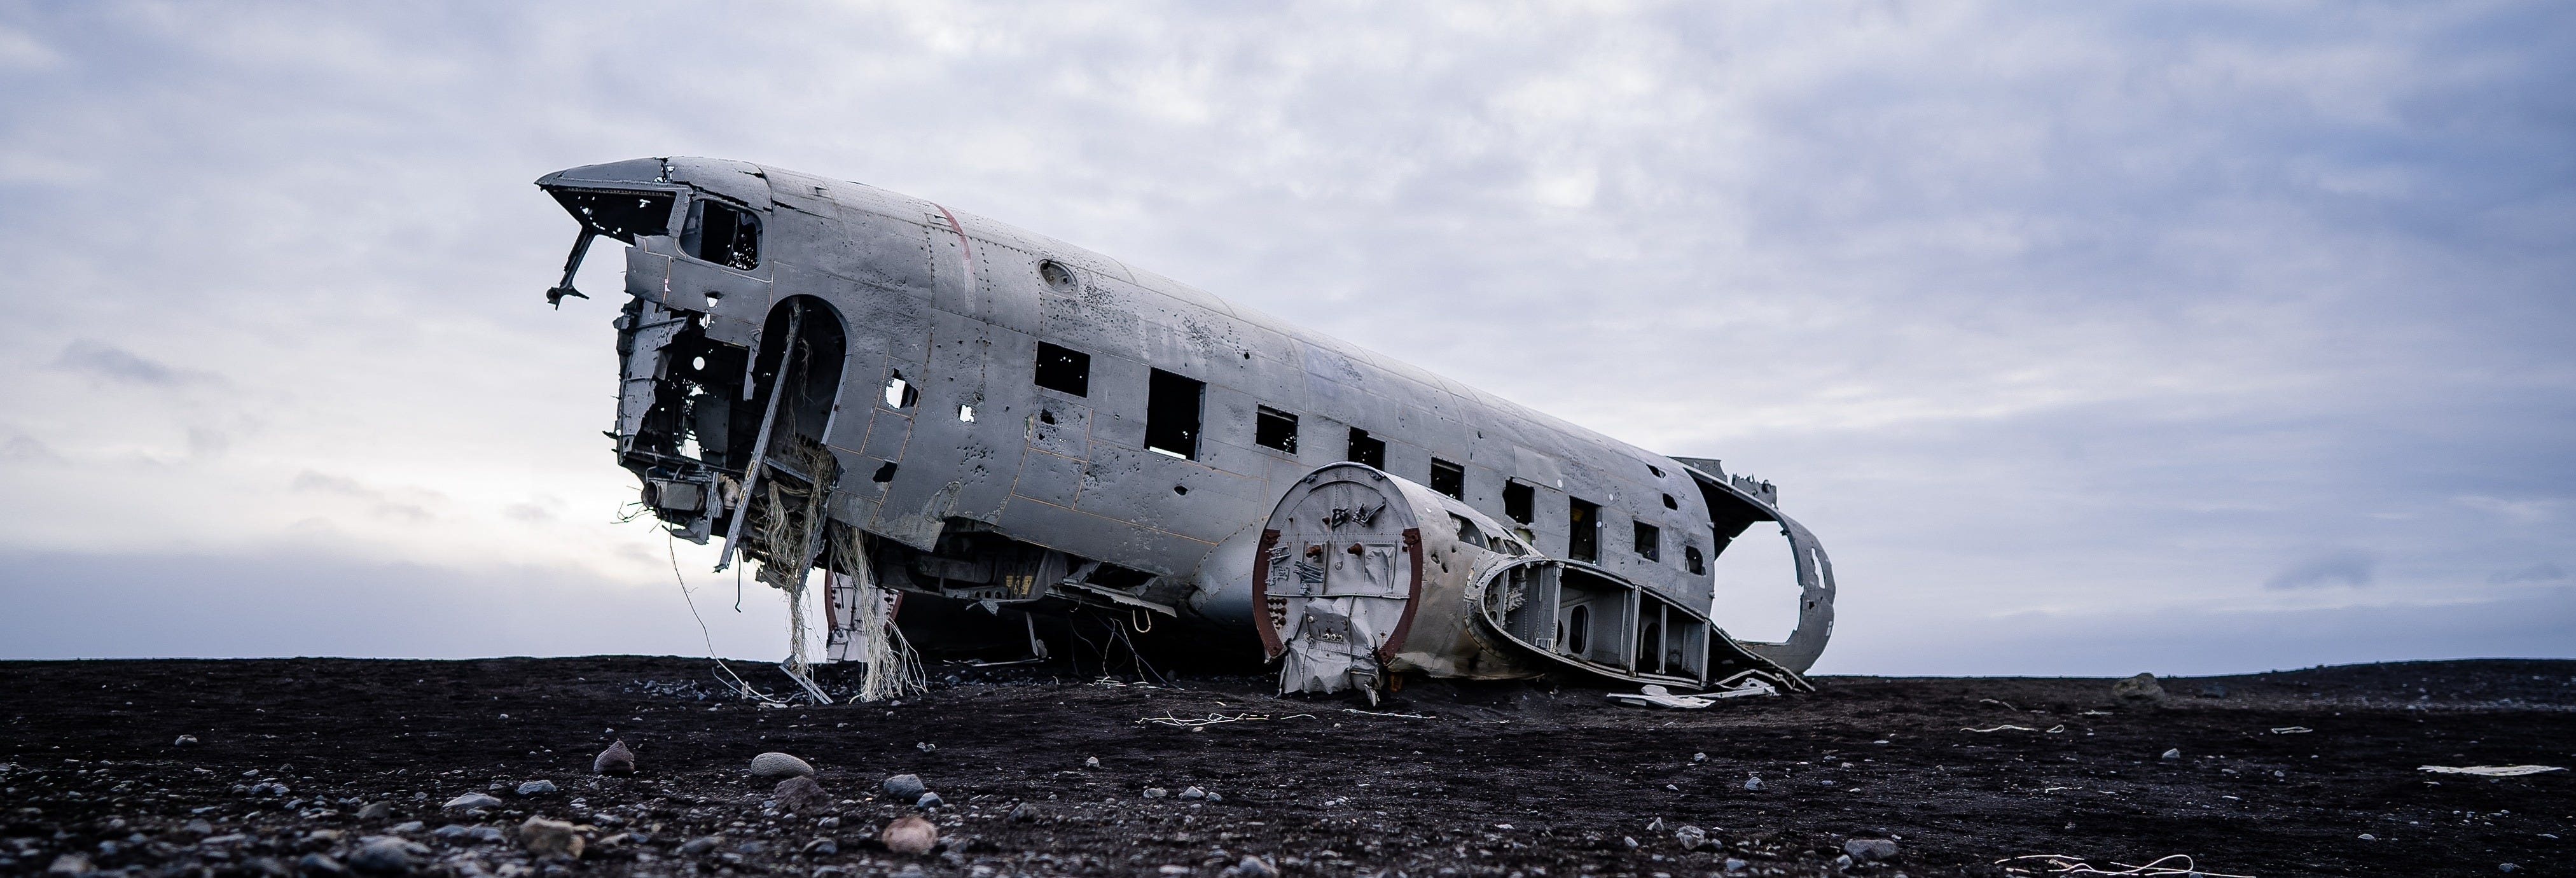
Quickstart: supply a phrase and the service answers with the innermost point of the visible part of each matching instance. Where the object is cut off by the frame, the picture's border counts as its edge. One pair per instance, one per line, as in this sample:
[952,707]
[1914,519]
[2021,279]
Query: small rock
[1194,794]
[831,872]
[1023,812]
[375,811]
[550,838]
[925,746]
[2175,753]
[1753,783]
[70,864]
[928,801]
[2508,867]
[823,847]
[2369,837]
[1870,850]
[1843,861]
[1629,840]
[778,766]
[752,848]
[537,788]
[1156,792]
[828,823]
[185,741]
[321,865]
[1691,837]
[198,827]
[905,787]
[909,834]
[1215,796]
[700,845]
[2138,691]
[387,855]
[406,827]
[910,870]
[1734,865]
[1251,867]
[1699,757]
[614,760]
[486,835]
[450,832]
[471,802]
[2213,691]
[1091,762]
[799,793]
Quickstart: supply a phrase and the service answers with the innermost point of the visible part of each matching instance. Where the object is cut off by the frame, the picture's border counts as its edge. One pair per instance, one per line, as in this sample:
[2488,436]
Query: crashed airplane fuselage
[1013,432]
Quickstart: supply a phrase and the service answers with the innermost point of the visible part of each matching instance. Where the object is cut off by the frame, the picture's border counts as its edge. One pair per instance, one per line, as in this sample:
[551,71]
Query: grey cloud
[290,601]
[2334,568]
[405,505]
[22,448]
[103,360]
[309,480]
[2143,292]
[2542,572]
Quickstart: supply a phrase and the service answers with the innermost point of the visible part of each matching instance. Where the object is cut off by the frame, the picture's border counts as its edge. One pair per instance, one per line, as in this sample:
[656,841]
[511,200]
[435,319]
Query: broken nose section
[621,200]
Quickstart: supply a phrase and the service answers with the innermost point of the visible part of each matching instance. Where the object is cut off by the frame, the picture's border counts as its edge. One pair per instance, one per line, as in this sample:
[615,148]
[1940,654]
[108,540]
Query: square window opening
[1172,414]
[1449,478]
[1520,502]
[1064,370]
[723,234]
[1275,429]
[1367,449]
[1582,530]
[1650,541]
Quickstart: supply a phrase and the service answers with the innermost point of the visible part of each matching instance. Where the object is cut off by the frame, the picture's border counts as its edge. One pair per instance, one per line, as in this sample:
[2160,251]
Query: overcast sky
[2090,338]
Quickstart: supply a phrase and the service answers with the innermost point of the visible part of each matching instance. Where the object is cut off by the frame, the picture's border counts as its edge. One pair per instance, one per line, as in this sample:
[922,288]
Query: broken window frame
[1448,478]
[1520,501]
[1647,540]
[1582,530]
[1274,429]
[1694,561]
[1063,370]
[1175,412]
[1366,449]
[596,209]
[694,233]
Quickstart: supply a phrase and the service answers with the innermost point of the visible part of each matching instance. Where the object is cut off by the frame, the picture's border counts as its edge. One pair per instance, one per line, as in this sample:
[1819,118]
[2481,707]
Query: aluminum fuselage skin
[957,305]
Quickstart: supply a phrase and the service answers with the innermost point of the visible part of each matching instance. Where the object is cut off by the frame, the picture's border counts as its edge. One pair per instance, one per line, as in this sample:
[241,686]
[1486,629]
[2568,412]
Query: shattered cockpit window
[723,234]
[619,215]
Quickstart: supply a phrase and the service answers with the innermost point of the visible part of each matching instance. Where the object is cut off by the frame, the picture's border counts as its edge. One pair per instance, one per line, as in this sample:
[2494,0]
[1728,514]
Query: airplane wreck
[1030,446]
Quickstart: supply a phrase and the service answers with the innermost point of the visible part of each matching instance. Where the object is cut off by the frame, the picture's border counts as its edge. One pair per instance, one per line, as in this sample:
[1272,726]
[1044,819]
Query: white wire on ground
[724,673]
[2062,864]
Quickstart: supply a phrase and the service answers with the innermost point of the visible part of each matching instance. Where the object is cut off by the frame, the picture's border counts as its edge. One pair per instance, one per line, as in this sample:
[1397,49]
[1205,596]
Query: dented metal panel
[938,452]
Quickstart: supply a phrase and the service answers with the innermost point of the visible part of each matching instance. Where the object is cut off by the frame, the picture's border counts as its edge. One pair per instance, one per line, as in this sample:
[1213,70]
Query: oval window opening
[1058,277]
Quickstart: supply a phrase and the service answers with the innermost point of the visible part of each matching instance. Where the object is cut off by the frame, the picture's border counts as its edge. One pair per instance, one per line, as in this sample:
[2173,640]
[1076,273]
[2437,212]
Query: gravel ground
[351,760]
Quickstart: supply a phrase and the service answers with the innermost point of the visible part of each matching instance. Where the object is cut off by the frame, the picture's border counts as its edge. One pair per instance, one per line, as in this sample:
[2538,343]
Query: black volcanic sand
[1489,780]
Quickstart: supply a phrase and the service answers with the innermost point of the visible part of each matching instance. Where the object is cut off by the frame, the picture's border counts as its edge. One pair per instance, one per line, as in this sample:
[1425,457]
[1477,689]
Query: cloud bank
[2108,315]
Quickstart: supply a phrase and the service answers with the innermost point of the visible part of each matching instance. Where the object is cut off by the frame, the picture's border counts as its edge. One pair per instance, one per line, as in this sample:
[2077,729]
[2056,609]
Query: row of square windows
[1172,423]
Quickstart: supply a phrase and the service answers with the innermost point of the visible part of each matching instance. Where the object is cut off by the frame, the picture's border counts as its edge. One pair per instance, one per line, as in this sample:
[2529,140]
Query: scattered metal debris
[2292,730]
[2001,728]
[2492,770]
